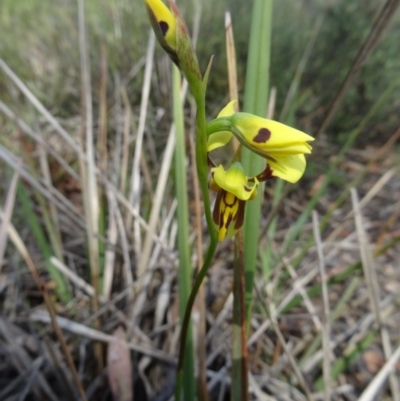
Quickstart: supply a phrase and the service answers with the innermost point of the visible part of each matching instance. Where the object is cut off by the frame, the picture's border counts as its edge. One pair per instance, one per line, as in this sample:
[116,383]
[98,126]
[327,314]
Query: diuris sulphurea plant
[283,148]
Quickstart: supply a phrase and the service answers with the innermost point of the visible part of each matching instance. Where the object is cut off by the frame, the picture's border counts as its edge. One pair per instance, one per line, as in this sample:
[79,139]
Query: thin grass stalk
[255,101]
[377,382]
[135,173]
[102,132]
[373,287]
[109,257]
[239,380]
[90,193]
[185,267]
[8,211]
[326,311]
[134,191]
[125,146]
[54,223]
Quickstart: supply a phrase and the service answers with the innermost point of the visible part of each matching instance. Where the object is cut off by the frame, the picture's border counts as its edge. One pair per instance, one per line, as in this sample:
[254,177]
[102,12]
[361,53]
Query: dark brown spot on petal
[240,215]
[228,220]
[262,136]
[247,189]
[164,27]
[221,220]
[266,174]
[217,208]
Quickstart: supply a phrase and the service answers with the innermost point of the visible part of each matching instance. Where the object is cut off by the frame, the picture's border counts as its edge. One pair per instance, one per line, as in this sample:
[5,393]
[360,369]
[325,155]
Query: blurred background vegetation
[40,43]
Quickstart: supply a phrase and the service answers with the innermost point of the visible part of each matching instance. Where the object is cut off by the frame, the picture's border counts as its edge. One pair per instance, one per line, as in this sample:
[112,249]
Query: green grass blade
[255,101]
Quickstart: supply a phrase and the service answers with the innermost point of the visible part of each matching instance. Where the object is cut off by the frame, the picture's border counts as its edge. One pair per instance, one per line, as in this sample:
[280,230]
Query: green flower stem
[185,267]
[201,156]
[218,125]
[201,165]
[186,320]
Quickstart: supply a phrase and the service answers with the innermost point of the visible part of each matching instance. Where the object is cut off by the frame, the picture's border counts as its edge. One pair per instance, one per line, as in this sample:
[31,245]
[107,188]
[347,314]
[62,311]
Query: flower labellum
[234,189]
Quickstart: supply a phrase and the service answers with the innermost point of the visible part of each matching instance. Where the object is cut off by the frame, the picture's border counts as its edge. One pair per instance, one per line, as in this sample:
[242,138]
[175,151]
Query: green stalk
[185,268]
[201,165]
[255,101]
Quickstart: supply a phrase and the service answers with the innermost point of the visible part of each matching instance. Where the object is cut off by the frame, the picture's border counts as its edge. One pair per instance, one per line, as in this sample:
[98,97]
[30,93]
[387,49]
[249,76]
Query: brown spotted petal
[271,136]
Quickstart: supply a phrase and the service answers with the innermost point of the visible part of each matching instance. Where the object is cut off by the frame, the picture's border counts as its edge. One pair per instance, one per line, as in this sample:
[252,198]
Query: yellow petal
[235,181]
[165,20]
[271,136]
[228,110]
[290,168]
[220,139]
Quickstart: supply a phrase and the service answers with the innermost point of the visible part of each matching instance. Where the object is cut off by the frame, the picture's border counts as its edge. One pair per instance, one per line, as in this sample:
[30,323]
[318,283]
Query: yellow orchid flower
[284,147]
[234,189]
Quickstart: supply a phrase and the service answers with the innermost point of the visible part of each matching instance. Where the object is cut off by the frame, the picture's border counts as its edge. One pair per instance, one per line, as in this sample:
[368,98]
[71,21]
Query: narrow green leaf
[255,101]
